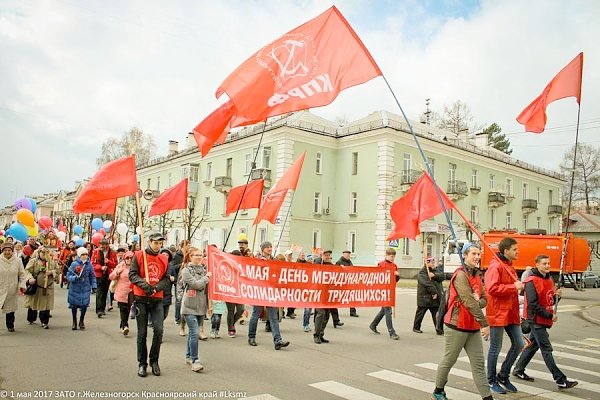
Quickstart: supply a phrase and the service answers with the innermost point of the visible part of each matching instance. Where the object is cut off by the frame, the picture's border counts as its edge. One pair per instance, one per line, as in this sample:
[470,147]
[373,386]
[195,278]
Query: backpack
[442,310]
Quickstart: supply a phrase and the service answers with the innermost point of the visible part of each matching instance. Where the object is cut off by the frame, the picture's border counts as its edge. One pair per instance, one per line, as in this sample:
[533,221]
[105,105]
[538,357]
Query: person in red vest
[148,297]
[466,324]
[538,309]
[104,260]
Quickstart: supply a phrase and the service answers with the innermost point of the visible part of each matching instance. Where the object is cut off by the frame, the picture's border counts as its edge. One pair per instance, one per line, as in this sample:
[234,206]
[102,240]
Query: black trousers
[335,315]
[10,320]
[155,309]
[32,315]
[234,312]
[101,294]
[321,319]
[421,311]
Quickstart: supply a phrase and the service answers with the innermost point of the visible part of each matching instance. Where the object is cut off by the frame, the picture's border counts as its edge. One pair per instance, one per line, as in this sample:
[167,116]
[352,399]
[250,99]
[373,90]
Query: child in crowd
[217,308]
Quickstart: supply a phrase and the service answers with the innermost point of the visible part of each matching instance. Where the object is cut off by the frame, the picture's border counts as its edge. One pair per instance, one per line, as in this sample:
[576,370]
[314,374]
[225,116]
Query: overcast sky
[74,73]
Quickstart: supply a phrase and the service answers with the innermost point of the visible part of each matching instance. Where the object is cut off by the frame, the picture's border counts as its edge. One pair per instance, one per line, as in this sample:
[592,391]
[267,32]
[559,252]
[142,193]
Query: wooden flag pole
[254,238]
[141,225]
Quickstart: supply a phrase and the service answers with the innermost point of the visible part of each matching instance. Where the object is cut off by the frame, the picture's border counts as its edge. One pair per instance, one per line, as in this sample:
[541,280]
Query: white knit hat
[81,251]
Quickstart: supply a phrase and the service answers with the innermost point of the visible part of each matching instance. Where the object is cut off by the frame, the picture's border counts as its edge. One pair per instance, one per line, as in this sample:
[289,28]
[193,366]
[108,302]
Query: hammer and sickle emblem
[291,58]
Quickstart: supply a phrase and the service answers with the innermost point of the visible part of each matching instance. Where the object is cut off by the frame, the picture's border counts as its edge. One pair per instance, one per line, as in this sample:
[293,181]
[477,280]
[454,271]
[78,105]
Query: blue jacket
[80,285]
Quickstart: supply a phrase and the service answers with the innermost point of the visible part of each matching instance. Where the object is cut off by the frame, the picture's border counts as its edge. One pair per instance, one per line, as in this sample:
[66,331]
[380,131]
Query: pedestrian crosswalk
[579,361]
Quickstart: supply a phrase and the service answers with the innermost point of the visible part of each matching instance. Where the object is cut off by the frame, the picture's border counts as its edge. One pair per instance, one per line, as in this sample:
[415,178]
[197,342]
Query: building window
[492,218]
[317,203]
[539,222]
[508,219]
[474,179]
[319,165]
[431,162]
[225,232]
[209,171]
[407,163]
[405,247]
[550,225]
[550,195]
[262,234]
[169,180]
[429,246]
[354,163]
[148,185]
[452,172]
[524,223]
[266,157]
[492,182]
[228,167]
[525,191]
[353,203]
[158,183]
[538,195]
[248,163]
[185,172]
[316,239]
[474,214]
[206,209]
[352,242]
[194,172]
[509,187]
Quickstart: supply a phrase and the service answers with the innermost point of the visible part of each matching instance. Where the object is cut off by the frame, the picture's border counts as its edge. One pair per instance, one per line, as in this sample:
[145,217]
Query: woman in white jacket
[12,279]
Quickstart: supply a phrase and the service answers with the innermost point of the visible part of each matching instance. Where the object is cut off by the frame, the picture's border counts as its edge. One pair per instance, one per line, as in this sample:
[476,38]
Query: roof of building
[582,223]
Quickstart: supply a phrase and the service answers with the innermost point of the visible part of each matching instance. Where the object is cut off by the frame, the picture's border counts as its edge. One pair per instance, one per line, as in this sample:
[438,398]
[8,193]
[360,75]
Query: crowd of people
[144,282]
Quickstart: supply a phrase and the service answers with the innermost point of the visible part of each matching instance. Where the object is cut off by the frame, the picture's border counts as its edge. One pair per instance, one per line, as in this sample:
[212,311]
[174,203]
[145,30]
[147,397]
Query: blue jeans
[273,314]
[306,317]
[215,321]
[193,322]
[516,339]
[540,340]
[387,311]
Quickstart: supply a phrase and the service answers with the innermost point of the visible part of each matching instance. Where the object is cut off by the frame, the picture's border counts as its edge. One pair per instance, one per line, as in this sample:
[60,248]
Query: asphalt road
[357,364]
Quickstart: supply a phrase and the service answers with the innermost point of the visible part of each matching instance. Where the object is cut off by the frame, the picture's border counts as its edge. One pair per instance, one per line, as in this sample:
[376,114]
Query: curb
[589,318]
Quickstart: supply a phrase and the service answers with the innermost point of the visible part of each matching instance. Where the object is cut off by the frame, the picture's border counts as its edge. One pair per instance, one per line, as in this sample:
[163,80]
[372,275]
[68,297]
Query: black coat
[428,287]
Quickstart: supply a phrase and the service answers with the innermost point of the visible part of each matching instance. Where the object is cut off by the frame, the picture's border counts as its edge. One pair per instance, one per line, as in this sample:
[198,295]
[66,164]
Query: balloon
[33,205]
[18,231]
[96,238]
[78,230]
[25,217]
[107,224]
[61,235]
[79,242]
[94,231]
[135,238]
[122,228]
[102,231]
[97,224]
[137,230]
[2,239]
[1,232]
[22,203]
[32,231]
[45,222]
[62,228]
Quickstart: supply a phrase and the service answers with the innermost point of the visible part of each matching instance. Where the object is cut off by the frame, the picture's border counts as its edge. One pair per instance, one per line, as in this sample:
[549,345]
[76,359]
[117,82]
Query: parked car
[588,279]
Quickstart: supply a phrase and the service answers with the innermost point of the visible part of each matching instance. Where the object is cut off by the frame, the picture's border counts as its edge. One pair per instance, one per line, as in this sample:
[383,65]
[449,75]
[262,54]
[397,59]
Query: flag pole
[138,206]
[437,189]
[284,222]
[566,235]
[253,167]
[254,238]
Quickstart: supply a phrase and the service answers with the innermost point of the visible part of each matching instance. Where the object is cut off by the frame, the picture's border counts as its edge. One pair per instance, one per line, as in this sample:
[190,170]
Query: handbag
[112,286]
[30,289]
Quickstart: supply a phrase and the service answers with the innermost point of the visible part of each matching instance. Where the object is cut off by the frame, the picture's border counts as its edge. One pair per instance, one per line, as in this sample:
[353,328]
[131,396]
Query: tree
[586,185]
[135,140]
[457,118]
[496,139]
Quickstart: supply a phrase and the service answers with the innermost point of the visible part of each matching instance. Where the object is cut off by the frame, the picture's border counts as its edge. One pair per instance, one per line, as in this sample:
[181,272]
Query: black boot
[74,326]
[81,324]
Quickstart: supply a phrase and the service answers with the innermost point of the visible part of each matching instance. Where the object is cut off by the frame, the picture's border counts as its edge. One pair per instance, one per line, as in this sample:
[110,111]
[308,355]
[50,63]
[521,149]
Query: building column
[284,159]
[385,181]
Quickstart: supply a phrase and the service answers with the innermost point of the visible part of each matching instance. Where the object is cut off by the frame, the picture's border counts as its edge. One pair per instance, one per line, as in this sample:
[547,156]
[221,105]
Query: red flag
[417,205]
[252,196]
[567,83]
[307,67]
[115,179]
[174,198]
[275,197]
[97,207]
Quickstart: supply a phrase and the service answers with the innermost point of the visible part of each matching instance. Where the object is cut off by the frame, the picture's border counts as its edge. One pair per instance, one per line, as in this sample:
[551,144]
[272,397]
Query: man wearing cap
[12,279]
[104,260]
[345,261]
[266,249]
[325,259]
[429,292]
[234,310]
[289,257]
[243,246]
[322,314]
[148,297]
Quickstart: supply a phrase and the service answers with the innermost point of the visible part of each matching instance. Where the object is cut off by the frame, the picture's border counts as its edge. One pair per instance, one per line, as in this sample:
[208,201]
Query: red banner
[245,280]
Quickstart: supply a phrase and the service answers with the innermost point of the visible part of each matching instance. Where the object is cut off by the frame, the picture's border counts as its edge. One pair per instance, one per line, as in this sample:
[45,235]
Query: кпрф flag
[567,83]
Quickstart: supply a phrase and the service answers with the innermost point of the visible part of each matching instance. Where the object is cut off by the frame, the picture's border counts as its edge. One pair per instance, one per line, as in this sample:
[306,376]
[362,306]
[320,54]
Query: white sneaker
[212,334]
[126,331]
[197,367]
[217,335]
[188,361]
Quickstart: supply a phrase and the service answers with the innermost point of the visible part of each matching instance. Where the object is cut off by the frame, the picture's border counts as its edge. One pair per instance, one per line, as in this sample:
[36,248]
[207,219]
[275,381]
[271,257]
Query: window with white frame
[492,181]
[539,222]
[225,233]
[474,214]
[407,163]
[319,163]
[525,222]
[169,180]
[208,171]
[429,246]
[228,167]
[148,184]
[474,180]
[316,239]
[492,217]
[185,172]
[405,247]
[194,173]
[551,225]
[431,162]
[353,202]
[509,187]
[266,157]
[452,172]
[550,195]
[206,209]
[317,203]
[158,183]
[538,195]
[247,163]
[355,163]
[352,242]
[525,190]
[262,235]
[508,219]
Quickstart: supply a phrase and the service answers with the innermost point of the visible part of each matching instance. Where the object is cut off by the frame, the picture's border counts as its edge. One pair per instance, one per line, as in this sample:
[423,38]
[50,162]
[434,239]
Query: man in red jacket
[104,260]
[502,286]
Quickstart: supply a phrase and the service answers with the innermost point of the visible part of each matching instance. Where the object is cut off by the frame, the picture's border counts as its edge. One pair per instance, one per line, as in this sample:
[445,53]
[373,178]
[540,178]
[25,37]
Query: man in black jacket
[429,292]
[345,261]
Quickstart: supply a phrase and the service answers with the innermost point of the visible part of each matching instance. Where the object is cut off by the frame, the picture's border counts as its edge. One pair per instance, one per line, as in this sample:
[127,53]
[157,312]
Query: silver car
[590,280]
